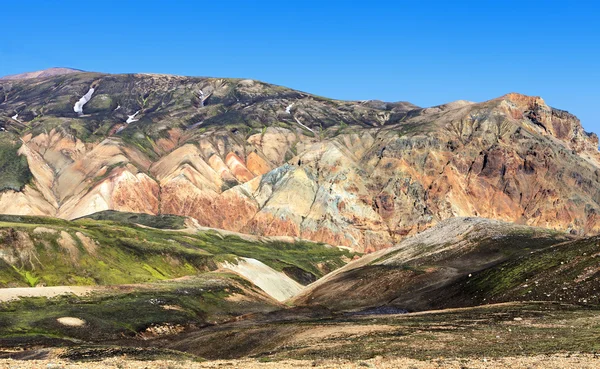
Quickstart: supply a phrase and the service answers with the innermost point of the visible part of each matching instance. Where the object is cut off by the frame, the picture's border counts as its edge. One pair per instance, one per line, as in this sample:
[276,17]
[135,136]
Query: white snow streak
[288,109]
[202,98]
[195,125]
[297,121]
[78,108]
[16,117]
[131,118]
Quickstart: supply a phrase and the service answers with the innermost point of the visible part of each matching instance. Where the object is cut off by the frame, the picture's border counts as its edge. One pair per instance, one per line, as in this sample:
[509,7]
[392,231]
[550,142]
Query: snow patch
[131,118]
[78,108]
[16,117]
[274,283]
[195,125]
[302,125]
[288,109]
[201,97]
[117,108]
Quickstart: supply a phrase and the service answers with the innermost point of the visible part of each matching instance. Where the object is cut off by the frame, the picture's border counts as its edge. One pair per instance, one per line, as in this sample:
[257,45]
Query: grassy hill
[51,252]
[143,282]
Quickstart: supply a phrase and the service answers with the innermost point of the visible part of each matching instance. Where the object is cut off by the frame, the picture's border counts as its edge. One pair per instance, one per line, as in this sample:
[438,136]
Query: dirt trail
[7,294]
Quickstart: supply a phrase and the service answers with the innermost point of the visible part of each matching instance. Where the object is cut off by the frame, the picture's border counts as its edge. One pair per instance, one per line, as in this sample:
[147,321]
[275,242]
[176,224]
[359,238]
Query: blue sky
[425,52]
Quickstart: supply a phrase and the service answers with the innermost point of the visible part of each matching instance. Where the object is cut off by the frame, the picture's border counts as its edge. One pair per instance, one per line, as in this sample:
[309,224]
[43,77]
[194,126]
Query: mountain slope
[465,262]
[54,252]
[250,157]
[50,72]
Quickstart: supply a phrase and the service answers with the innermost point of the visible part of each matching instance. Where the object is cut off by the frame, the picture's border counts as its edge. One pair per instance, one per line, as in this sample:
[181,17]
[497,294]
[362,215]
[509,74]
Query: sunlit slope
[466,262]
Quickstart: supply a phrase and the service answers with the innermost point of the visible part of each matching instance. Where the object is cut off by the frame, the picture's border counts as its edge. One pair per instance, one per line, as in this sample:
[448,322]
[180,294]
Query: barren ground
[563,361]
[7,294]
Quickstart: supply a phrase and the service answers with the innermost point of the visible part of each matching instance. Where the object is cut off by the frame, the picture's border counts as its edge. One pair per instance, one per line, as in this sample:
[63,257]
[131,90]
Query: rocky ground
[514,335]
[557,361]
[491,331]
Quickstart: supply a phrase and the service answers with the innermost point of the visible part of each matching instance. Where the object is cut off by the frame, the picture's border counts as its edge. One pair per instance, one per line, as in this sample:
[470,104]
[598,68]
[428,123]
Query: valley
[152,220]
[466,288]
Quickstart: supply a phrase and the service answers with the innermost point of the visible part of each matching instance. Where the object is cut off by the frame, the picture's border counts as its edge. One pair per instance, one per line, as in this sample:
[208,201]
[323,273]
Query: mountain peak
[50,72]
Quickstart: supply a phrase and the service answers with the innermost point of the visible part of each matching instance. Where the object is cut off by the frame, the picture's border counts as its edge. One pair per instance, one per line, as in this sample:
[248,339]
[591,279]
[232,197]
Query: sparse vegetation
[111,252]
[163,221]
[14,168]
[130,312]
[486,331]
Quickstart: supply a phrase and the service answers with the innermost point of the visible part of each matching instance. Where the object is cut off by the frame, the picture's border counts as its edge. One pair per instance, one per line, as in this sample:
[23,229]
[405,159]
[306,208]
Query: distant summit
[50,72]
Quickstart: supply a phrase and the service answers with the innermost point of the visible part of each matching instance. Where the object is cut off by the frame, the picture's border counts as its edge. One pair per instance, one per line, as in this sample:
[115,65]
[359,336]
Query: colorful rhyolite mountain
[251,157]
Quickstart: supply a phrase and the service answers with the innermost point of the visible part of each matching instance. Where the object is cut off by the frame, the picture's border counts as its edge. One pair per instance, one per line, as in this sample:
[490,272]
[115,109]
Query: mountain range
[158,217]
[251,157]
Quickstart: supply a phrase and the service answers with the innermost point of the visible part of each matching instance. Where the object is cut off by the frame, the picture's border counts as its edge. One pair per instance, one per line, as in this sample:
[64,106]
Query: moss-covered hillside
[38,251]
[14,171]
[138,312]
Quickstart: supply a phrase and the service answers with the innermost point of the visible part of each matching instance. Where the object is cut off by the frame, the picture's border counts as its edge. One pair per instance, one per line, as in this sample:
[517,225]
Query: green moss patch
[14,168]
[111,252]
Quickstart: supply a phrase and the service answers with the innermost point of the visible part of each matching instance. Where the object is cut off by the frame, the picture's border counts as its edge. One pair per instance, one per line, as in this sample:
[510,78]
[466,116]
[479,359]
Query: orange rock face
[237,167]
[257,165]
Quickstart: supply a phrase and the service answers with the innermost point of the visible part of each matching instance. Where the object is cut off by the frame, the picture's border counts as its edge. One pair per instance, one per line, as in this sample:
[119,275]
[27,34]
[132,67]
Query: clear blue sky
[426,52]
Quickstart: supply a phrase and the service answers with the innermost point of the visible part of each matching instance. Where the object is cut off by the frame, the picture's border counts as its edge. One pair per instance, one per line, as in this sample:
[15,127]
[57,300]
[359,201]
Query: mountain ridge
[49,72]
[256,158]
